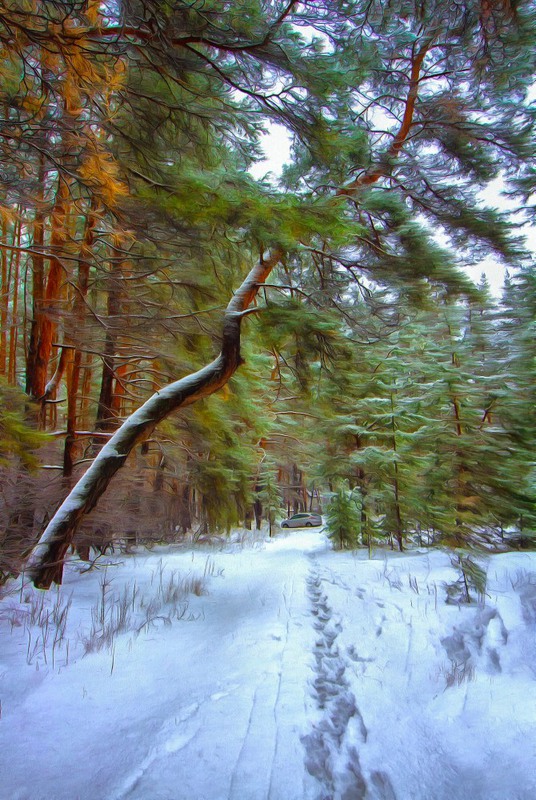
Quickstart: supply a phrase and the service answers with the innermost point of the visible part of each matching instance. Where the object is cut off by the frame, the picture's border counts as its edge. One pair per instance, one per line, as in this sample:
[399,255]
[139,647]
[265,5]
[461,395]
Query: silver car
[303,520]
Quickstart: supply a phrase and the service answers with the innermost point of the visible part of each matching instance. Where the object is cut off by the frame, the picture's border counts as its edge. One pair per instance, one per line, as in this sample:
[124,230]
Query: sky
[276,146]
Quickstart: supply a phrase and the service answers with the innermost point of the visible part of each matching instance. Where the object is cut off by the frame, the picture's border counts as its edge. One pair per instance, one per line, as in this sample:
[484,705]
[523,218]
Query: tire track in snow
[332,747]
[175,733]
[260,737]
[263,731]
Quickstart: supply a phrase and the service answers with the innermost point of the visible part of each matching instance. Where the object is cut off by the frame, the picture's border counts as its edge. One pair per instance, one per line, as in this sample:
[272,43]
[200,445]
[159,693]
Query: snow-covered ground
[276,670]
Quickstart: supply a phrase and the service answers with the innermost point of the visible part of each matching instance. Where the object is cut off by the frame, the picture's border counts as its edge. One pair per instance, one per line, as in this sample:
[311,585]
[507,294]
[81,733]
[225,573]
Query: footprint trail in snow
[332,747]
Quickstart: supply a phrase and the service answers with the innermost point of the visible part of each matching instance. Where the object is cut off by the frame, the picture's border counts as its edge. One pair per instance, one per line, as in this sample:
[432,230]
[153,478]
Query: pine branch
[381,168]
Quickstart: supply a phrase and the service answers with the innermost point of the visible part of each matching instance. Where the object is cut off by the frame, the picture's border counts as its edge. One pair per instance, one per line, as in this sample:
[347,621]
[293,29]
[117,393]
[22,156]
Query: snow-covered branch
[45,564]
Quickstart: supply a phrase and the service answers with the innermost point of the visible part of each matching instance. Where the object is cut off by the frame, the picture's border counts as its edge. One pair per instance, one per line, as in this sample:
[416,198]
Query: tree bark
[383,167]
[105,418]
[46,320]
[14,324]
[45,564]
[4,302]
[38,285]
[184,509]
[74,368]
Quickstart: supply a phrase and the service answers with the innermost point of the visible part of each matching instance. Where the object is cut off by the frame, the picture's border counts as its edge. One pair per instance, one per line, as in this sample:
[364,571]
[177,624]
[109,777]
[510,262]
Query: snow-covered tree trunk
[45,563]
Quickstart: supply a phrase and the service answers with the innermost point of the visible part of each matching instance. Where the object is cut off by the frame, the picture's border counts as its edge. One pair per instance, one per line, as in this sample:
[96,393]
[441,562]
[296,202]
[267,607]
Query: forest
[185,347]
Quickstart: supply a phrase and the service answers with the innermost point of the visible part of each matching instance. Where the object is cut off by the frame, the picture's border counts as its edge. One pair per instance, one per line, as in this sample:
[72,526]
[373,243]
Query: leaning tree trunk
[45,564]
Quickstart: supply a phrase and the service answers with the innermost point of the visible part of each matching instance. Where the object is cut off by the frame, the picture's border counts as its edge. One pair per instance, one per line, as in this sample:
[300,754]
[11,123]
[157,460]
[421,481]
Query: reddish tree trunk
[4,303]
[74,367]
[44,323]
[38,286]
[14,326]
[45,564]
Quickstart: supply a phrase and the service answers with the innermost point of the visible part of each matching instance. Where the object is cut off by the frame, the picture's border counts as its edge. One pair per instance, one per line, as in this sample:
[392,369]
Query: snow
[270,669]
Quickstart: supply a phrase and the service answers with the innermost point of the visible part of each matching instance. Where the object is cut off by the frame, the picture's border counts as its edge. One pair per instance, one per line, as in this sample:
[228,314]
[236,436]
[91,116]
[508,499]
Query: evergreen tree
[343,519]
[169,135]
[269,493]
[516,408]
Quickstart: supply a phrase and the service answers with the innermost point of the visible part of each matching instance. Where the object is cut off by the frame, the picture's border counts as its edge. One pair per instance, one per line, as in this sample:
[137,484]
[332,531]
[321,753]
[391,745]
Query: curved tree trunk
[45,564]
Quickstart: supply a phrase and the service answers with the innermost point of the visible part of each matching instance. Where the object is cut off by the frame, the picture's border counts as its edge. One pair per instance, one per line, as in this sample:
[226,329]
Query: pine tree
[269,493]
[343,519]
[360,202]
[515,347]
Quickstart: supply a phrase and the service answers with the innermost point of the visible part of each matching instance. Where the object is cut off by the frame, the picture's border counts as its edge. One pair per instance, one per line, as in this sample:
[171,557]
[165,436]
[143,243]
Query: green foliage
[18,435]
[269,493]
[222,442]
[418,418]
[422,402]
[343,519]
[473,578]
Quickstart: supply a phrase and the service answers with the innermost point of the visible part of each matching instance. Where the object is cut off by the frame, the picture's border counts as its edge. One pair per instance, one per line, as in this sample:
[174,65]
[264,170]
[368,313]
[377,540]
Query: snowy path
[240,738]
[332,748]
[303,674]
[212,708]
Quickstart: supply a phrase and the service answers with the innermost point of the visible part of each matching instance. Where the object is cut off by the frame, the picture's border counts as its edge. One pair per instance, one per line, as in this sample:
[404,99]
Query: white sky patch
[276,146]
[493,270]
[277,149]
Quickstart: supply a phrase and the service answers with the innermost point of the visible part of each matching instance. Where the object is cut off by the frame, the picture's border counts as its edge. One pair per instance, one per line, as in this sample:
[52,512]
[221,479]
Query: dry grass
[44,625]
[42,617]
[129,610]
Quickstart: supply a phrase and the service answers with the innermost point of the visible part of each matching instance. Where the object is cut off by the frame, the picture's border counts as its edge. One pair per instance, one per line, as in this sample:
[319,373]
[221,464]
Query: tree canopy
[129,217]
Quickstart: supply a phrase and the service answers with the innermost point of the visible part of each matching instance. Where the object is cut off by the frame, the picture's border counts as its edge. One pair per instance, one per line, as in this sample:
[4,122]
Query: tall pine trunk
[15,283]
[38,285]
[75,365]
[105,420]
[48,308]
